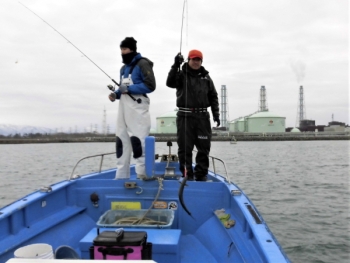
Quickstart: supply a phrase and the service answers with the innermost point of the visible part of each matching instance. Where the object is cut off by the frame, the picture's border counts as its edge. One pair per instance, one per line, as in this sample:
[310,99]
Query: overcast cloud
[281,44]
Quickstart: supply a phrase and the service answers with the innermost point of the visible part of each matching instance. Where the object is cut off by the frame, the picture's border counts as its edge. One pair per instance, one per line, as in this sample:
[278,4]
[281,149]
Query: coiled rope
[143,220]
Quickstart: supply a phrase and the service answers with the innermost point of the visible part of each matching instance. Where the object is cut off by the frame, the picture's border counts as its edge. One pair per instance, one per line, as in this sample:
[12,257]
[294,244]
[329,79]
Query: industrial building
[335,126]
[304,124]
[294,130]
[262,121]
[265,121]
[166,123]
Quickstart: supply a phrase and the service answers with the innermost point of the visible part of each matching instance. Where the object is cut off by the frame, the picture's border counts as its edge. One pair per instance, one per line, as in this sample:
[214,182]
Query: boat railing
[213,158]
[102,155]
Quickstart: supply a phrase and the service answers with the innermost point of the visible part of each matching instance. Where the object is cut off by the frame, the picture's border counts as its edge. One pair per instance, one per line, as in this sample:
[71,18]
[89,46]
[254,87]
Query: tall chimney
[301,115]
[224,106]
[263,101]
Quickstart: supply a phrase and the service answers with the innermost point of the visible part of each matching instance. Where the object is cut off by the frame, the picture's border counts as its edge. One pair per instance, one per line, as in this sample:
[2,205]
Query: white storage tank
[166,123]
[231,126]
[295,130]
[239,125]
[265,121]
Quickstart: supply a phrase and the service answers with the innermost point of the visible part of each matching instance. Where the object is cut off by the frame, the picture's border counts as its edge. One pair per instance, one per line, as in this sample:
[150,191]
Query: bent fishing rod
[182,23]
[181,190]
[184,180]
[70,42]
[181,58]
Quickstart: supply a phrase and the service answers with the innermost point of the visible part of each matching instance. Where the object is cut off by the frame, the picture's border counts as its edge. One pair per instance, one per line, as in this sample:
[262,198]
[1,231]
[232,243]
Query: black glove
[179,59]
[217,120]
[112,97]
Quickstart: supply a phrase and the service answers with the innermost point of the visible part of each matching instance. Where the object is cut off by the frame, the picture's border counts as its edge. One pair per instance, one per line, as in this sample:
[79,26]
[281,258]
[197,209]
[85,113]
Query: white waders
[133,125]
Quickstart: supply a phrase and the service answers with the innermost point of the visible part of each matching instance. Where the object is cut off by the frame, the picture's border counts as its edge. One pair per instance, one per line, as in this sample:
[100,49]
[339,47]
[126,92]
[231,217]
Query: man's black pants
[194,130]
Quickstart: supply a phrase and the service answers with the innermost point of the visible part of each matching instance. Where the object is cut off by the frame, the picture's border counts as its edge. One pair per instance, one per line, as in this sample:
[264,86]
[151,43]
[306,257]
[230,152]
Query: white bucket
[37,251]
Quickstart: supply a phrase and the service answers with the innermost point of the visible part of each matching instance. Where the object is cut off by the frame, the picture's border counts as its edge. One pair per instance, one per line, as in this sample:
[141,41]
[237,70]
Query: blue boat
[187,221]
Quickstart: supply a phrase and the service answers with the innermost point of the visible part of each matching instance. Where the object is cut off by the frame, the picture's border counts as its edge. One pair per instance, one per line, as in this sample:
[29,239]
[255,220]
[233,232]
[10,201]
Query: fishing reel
[111,87]
[131,96]
[181,58]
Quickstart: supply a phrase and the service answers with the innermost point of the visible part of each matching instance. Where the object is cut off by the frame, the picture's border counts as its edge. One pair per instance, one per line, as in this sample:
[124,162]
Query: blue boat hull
[66,215]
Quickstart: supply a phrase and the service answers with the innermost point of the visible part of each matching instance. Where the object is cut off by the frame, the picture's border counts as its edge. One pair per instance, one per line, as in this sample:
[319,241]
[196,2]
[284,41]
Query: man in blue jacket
[133,121]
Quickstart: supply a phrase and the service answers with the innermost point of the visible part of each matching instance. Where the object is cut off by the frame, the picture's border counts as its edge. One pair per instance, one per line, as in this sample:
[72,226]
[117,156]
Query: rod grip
[115,82]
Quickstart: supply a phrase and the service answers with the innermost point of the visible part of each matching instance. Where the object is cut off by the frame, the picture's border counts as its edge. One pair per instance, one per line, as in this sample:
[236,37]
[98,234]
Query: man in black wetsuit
[195,92]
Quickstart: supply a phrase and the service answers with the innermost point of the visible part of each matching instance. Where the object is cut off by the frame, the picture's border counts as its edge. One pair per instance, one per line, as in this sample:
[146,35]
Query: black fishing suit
[195,92]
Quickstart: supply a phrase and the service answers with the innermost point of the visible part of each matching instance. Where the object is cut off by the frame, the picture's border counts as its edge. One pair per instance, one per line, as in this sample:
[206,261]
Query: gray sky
[281,44]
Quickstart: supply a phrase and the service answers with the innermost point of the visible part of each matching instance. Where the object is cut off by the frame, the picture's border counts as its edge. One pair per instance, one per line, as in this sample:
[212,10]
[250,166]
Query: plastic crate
[129,218]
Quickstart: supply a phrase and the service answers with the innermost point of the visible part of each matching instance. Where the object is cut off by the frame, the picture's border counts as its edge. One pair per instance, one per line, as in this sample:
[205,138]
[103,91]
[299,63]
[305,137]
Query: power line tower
[263,100]
[104,123]
[301,113]
[224,107]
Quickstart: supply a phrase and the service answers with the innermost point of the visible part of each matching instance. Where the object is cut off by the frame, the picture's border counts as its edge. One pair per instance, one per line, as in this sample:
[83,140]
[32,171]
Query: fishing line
[182,22]
[71,43]
[183,11]
[183,183]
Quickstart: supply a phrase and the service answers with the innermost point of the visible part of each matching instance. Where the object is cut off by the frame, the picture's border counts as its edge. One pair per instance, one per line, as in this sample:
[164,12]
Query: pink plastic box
[112,245]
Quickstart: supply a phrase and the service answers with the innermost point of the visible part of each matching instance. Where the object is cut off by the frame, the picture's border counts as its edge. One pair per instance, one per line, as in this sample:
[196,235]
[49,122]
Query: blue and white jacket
[143,80]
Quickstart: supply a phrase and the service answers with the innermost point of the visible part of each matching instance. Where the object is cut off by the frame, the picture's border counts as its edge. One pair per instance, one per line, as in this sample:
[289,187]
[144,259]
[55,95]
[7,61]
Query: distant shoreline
[172,137]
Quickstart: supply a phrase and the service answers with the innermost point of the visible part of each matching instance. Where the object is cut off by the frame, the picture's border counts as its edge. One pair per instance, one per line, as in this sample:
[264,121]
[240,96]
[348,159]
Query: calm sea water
[300,188]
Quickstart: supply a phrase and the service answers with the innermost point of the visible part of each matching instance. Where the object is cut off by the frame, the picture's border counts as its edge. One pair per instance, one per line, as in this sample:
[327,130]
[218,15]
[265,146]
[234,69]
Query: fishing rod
[73,45]
[109,86]
[181,58]
[182,23]
[181,190]
[184,180]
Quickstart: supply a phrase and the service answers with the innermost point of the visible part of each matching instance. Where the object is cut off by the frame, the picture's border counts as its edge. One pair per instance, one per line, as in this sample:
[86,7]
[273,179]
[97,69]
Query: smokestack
[263,101]
[224,106]
[301,115]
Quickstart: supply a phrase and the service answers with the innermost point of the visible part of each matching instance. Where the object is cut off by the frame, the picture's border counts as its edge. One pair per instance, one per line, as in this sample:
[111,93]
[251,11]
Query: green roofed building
[265,121]
[166,123]
[262,121]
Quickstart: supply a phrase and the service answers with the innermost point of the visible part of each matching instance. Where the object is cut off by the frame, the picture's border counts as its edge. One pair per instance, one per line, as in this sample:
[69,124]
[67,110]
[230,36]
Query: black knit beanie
[130,43]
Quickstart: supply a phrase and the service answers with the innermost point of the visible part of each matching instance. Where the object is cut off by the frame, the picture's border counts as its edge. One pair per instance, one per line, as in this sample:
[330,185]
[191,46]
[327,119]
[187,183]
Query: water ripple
[301,188]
